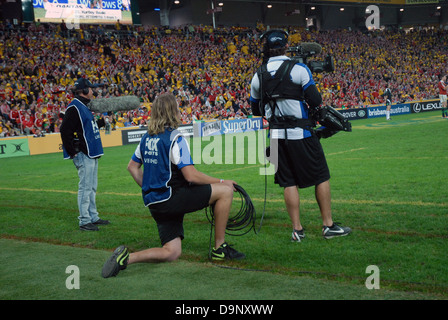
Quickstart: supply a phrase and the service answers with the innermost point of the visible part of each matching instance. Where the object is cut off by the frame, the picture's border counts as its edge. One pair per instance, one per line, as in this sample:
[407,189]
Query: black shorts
[169,214]
[301,163]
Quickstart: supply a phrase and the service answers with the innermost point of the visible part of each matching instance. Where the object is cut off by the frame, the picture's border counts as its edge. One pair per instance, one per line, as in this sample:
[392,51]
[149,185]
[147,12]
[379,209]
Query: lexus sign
[425,106]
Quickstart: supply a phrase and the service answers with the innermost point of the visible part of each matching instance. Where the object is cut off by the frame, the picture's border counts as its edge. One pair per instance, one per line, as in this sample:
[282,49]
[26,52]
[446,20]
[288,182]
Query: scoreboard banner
[75,12]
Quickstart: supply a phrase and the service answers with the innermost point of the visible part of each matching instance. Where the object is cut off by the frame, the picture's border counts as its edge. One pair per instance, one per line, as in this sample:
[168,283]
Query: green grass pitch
[389,184]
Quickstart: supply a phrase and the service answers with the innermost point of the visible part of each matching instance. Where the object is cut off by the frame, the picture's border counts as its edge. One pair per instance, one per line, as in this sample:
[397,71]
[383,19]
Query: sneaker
[297,235]
[226,252]
[335,231]
[101,222]
[118,261]
[88,227]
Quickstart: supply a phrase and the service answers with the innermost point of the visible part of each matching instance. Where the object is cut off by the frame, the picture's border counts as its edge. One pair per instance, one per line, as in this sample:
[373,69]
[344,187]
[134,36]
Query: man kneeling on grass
[171,187]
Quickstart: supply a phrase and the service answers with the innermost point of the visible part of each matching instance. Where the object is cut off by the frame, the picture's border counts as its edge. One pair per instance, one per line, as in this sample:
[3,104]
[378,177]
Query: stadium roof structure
[150,5]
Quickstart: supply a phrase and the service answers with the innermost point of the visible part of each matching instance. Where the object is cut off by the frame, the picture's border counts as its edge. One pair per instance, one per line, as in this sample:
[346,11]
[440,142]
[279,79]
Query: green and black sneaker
[118,261]
[226,252]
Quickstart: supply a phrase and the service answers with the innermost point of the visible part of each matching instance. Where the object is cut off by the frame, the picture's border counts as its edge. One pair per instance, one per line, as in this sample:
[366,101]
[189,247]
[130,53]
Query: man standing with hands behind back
[81,142]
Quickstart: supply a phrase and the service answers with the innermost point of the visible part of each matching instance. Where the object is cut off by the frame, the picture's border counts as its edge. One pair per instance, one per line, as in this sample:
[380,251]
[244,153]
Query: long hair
[164,113]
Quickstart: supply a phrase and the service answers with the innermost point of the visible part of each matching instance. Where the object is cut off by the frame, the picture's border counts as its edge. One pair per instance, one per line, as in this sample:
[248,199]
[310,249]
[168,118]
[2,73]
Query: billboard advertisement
[380,111]
[354,114]
[75,12]
[424,106]
[14,147]
[205,129]
[135,135]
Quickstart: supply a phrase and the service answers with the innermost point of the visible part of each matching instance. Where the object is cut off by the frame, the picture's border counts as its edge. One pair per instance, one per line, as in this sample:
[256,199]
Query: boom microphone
[114,104]
[311,47]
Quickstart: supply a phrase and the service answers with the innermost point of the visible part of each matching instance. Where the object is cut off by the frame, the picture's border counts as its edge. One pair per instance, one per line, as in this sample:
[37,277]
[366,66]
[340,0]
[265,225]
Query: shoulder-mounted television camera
[306,50]
[331,121]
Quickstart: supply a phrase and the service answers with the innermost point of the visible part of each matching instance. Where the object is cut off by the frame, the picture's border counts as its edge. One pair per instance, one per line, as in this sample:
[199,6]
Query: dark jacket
[72,134]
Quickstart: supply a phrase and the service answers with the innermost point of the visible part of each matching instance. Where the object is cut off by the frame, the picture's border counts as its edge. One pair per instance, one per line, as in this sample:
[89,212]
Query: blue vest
[91,131]
[158,166]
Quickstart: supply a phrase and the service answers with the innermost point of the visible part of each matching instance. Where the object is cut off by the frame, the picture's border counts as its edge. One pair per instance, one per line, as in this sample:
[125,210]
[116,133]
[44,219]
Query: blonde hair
[164,113]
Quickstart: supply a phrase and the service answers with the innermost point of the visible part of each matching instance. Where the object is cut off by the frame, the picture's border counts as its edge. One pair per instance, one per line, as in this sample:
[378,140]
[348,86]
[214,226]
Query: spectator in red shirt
[5,110]
[27,125]
[442,94]
[38,122]
[14,115]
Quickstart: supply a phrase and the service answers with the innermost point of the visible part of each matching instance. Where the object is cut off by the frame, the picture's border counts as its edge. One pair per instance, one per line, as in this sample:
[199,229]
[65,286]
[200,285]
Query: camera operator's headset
[83,91]
[266,33]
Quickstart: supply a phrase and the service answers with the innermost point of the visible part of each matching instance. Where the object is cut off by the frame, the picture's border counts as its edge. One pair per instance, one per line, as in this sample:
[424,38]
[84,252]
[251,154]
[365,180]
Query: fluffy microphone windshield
[122,103]
[311,47]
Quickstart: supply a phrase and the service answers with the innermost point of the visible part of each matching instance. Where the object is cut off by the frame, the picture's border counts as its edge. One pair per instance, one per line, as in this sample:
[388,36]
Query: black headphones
[83,82]
[84,91]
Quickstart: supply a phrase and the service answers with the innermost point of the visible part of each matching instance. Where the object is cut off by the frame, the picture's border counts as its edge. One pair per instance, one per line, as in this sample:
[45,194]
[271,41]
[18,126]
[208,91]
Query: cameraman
[301,160]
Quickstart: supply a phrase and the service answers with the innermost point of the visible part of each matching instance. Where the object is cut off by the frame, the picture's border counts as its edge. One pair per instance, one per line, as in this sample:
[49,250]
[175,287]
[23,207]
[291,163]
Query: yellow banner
[52,143]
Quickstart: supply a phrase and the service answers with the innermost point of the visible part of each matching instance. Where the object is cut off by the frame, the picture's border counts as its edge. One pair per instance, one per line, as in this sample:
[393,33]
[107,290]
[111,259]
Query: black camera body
[331,121]
[303,52]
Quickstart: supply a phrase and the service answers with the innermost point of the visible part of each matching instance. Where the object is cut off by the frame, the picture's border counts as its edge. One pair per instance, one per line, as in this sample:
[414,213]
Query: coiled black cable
[241,222]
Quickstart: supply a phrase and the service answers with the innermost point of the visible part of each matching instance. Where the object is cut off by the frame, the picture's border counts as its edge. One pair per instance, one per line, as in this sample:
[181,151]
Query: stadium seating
[208,70]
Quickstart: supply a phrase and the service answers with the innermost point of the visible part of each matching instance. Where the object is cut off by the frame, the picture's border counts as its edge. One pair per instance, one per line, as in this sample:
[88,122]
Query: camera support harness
[281,86]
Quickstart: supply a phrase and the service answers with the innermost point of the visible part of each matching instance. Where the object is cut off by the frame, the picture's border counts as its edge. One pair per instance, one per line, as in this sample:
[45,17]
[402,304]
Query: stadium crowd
[209,71]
